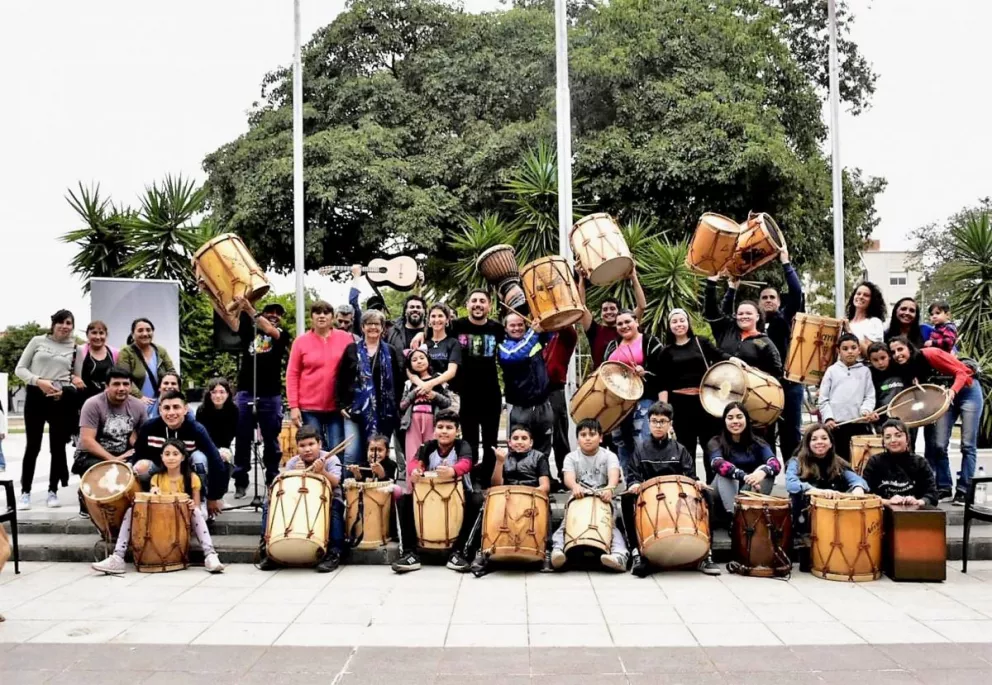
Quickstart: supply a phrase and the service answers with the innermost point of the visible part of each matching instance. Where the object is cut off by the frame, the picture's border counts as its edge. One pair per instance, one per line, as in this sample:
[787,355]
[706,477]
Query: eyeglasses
[372,324]
[659,422]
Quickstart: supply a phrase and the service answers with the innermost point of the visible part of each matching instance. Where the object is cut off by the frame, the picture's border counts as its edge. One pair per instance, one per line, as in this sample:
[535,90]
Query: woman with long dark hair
[818,470]
[95,359]
[905,321]
[681,367]
[740,460]
[219,415]
[144,360]
[46,367]
[865,315]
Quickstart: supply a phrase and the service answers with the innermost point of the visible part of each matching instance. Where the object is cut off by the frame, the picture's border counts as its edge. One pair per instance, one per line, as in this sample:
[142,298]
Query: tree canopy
[416,113]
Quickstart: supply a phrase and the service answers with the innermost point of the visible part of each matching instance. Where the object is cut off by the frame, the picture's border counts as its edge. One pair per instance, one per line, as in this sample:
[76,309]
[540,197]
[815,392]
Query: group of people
[431,386]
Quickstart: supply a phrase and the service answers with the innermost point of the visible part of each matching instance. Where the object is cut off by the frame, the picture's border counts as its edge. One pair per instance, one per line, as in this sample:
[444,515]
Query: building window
[897,278]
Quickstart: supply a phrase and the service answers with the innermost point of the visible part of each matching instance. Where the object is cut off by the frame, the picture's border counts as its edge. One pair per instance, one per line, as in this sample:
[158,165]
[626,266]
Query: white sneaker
[24,503]
[558,558]
[614,562]
[212,563]
[53,501]
[113,565]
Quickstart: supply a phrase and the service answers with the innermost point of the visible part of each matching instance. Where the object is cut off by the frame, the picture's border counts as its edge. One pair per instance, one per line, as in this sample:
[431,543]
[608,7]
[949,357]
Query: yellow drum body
[713,244]
[368,508]
[552,296]
[759,242]
[812,348]
[608,395]
[846,537]
[863,448]
[438,511]
[588,523]
[515,523]
[225,270]
[672,521]
[160,527]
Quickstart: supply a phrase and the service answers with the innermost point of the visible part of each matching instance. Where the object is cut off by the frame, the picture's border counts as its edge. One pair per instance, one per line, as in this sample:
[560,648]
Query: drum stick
[528,321]
[880,412]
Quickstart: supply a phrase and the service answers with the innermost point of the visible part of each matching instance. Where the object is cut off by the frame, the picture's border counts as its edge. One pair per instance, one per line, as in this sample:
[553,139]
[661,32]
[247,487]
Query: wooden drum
[920,405]
[551,293]
[863,448]
[672,521]
[846,537]
[498,264]
[608,395]
[515,523]
[588,525]
[735,381]
[108,490]
[160,532]
[713,244]
[287,442]
[760,241]
[601,249]
[762,536]
[812,348]
[299,522]
[225,269]
[438,511]
[368,507]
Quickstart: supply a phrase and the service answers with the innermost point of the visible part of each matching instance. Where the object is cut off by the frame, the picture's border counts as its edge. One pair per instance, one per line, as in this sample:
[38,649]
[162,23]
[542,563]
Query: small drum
[920,405]
[812,348]
[588,525]
[735,381]
[515,524]
[551,293]
[368,509]
[863,448]
[608,395]
[225,269]
[672,521]
[498,264]
[299,521]
[761,536]
[713,244]
[160,532]
[108,490]
[846,537]
[759,242]
[601,249]
[438,511]
[287,442]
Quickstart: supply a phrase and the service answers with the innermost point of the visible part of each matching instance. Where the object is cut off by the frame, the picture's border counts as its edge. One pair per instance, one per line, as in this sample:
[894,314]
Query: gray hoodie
[845,392]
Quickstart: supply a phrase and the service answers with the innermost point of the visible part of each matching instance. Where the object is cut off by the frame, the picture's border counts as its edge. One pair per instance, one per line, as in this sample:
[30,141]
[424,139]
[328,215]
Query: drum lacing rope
[784,568]
[447,542]
[591,526]
[355,539]
[529,513]
[182,516]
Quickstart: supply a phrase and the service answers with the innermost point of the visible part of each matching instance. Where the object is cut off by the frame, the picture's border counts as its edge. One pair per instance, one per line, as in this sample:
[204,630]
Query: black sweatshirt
[905,474]
[683,366]
[758,350]
[653,458]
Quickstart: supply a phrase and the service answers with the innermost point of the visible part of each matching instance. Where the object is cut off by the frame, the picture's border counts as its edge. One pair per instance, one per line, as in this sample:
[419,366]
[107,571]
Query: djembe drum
[498,265]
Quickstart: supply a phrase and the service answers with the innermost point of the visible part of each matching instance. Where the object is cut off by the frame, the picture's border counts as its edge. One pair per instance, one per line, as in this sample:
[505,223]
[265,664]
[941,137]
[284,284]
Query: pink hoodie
[313,366]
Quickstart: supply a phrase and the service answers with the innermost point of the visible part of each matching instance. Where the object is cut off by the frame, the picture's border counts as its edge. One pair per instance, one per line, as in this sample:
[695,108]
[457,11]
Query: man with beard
[602,334]
[478,380]
[406,328]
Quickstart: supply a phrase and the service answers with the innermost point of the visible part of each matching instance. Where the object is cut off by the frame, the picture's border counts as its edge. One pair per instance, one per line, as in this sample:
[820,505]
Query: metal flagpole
[298,169]
[838,189]
[564,134]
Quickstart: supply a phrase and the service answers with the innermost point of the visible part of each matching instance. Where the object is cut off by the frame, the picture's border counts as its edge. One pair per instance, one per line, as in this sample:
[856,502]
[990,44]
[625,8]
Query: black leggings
[60,415]
[693,425]
[481,413]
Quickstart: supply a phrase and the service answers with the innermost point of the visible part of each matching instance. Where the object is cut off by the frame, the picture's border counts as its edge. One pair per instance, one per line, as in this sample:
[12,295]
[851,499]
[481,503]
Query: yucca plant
[479,235]
[104,248]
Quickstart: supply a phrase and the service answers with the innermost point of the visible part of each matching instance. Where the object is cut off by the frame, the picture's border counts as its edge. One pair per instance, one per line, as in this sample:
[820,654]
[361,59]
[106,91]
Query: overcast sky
[121,92]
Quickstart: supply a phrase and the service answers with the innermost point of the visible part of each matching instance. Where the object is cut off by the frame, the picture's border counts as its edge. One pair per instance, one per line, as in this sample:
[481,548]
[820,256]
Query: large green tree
[416,113]
[13,340]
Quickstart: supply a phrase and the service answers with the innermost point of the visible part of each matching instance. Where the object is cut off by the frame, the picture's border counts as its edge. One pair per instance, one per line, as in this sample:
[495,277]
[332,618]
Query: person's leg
[558,537]
[688,429]
[623,440]
[353,452]
[466,543]
[243,439]
[3,461]
[202,534]
[789,424]
[725,490]
[413,437]
[408,527]
[470,413]
[489,423]
[542,425]
[62,414]
[336,539]
[124,537]
[399,450]
[559,435]
[938,438]
[333,429]
[628,504]
[270,425]
[34,428]
[970,403]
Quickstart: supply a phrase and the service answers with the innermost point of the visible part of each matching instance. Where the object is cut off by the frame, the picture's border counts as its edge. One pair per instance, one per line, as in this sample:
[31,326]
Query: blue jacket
[525,376]
[795,486]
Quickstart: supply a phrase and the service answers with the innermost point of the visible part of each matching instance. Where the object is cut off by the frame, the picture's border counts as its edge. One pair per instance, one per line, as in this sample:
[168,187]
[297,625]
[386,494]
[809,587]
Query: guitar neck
[326,270]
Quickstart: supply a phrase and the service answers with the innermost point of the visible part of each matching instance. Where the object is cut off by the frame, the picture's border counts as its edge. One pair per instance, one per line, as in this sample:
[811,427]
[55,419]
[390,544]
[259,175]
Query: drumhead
[724,383]
[493,250]
[109,479]
[611,271]
[621,380]
[720,223]
[920,405]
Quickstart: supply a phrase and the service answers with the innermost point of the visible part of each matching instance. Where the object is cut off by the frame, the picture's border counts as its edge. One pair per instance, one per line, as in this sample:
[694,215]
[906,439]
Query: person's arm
[729,297]
[464,463]
[853,480]
[586,319]
[497,477]
[448,374]
[872,476]
[23,368]
[293,372]
[711,309]
[792,302]
[947,364]
[544,475]
[772,465]
[344,377]
[724,467]
[793,485]
[640,301]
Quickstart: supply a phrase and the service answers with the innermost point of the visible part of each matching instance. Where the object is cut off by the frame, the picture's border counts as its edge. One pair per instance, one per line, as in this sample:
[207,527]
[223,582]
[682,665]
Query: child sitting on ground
[177,478]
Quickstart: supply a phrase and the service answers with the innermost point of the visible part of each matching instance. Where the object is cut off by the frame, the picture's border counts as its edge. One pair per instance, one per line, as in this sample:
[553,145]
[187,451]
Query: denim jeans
[353,452]
[789,433]
[329,425]
[633,428]
[967,405]
[269,419]
[3,462]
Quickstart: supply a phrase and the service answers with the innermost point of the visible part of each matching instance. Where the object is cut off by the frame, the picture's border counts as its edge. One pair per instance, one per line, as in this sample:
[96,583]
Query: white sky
[122,92]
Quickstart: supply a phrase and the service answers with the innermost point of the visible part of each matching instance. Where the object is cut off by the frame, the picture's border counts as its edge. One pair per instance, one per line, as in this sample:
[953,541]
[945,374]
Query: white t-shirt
[873,329]
[592,472]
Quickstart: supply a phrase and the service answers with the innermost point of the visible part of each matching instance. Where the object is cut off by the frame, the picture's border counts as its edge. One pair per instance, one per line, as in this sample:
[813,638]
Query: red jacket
[557,354]
[947,364]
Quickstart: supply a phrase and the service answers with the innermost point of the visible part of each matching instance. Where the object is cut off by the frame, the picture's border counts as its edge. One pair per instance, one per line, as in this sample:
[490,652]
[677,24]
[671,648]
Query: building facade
[890,272]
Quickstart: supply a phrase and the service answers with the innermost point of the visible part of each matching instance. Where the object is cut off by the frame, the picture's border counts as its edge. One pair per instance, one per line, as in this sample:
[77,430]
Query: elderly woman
[368,387]
[145,361]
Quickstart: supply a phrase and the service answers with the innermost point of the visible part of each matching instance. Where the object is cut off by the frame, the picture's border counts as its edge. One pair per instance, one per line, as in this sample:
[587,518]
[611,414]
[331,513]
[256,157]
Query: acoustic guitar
[400,273]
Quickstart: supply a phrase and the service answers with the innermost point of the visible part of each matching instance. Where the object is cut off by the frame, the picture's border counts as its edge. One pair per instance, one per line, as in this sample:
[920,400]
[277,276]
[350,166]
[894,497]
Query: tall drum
[515,523]
[608,395]
[160,527]
[812,348]
[588,526]
[846,537]
[761,538]
[600,247]
[551,293]
[367,510]
[713,244]
[863,448]
[438,511]
[760,242]
[225,269]
[108,490]
[735,381]
[673,526]
[299,523]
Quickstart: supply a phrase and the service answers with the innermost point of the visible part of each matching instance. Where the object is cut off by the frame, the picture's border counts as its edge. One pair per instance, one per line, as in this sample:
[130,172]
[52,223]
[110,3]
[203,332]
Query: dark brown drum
[762,536]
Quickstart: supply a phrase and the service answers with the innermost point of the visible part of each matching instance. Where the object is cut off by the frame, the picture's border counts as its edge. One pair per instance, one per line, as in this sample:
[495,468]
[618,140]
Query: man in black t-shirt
[266,350]
[477,381]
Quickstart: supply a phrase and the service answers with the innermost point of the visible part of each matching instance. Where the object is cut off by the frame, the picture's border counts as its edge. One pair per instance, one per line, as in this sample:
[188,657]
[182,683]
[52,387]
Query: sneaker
[406,563]
[614,562]
[558,559]
[212,563]
[457,562]
[240,491]
[479,564]
[958,500]
[330,562]
[708,567]
[945,495]
[265,562]
[641,567]
[24,503]
[84,514]
[112,565]
[53,501]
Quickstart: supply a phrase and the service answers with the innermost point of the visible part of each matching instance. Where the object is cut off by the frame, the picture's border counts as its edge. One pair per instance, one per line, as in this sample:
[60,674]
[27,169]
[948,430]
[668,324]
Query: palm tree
[479,235]
[104,248]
